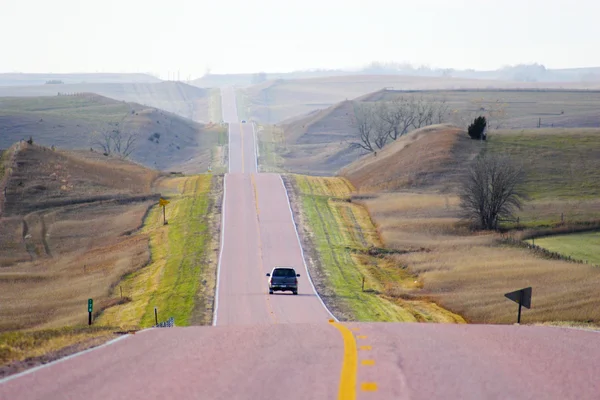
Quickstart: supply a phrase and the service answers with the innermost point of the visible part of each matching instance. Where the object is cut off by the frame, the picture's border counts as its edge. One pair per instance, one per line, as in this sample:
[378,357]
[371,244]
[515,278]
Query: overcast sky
[231,36]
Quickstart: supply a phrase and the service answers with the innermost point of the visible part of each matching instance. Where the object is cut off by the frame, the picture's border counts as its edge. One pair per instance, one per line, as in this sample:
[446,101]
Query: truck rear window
[286,272]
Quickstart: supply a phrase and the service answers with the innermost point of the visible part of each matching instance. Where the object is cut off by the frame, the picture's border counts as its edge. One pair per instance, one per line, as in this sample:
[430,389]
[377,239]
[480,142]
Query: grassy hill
[434,156]
[274,101]
[468,272]
[66,231]
[165,141]
[319,142]
[175,97]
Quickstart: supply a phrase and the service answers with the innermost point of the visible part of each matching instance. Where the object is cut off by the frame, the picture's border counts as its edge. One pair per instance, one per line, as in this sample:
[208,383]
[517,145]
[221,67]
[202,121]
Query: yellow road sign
[163,202]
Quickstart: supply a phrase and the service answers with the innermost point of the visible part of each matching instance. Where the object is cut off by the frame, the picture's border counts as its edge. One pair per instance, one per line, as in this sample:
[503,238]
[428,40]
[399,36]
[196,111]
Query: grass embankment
[270,146]
[579,246]
[180,278]
[348,248]
[44,345]
[214,107]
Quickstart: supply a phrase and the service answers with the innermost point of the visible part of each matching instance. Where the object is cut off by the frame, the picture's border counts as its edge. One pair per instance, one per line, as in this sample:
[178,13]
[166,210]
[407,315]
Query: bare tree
[115,142]
[364,122]
[491,190]
[383,126]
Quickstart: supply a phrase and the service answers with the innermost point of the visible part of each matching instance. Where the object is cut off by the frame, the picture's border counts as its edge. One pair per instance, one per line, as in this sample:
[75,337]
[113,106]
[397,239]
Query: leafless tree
[364,122]
[491,190]
[378,123]
[115,142]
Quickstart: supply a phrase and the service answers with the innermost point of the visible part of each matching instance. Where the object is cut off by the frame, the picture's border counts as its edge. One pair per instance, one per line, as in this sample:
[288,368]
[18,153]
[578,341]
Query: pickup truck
[283,279]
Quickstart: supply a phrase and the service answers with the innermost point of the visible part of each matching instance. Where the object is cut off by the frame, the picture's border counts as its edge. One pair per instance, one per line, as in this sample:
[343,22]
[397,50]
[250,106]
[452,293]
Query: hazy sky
[282,35]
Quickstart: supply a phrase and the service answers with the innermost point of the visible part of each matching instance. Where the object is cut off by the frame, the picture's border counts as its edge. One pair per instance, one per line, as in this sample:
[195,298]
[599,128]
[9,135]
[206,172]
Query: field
[347,249]
[163,141]
[579,246]
[79,225]
[67,234]
[180,279]
[468,272]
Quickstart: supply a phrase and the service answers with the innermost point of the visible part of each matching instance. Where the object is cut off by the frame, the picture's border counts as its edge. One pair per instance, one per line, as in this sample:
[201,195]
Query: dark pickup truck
[283,279]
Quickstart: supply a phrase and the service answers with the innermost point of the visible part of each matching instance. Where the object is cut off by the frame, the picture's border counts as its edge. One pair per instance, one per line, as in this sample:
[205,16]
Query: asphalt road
[285,346]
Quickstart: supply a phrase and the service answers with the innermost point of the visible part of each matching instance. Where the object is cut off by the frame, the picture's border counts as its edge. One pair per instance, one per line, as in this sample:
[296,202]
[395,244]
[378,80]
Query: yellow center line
[260,255]
[347,388]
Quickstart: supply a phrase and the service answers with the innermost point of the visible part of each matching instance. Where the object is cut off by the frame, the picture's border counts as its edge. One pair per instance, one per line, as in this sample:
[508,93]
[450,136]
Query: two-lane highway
[283,346]
[259,234]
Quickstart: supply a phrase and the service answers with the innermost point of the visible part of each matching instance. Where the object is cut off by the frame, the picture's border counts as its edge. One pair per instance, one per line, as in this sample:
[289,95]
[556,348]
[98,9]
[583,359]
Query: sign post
[164,203]
[523,297]
[90,309]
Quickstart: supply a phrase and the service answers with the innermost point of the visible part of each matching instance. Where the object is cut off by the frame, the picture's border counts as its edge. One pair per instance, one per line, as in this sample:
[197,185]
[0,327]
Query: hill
[319,142]
[434,156]
[65,231]
[22,79]
[176,97]
[275,101]
[164,140]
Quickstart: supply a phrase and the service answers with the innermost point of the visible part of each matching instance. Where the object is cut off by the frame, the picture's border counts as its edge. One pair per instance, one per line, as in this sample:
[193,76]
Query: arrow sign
[523,297]
[163,202]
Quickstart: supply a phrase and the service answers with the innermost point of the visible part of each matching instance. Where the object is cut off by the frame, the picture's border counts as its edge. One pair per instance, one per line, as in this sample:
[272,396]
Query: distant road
[284,346]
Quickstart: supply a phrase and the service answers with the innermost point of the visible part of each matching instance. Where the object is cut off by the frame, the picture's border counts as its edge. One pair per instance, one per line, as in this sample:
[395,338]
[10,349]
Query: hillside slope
[176,97]
[65,232]
[165,141]
[319,142]
[433,156]
[274,101]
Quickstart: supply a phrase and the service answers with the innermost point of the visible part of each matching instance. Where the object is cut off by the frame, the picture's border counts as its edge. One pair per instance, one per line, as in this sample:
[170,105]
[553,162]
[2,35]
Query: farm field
[579,246]
[468,272]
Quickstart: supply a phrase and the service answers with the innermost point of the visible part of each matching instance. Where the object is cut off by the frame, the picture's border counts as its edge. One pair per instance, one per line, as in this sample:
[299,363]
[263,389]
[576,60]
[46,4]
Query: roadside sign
[522,297]
[163,202]
[90,305]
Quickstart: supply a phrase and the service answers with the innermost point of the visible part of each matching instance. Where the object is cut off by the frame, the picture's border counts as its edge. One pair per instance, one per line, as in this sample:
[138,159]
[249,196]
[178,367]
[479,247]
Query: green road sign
[90,305]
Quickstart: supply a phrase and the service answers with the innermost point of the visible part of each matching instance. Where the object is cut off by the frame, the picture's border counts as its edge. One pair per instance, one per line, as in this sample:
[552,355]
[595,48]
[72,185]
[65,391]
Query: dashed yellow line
[260,254]
[368,362]
[365,348]
[368,387]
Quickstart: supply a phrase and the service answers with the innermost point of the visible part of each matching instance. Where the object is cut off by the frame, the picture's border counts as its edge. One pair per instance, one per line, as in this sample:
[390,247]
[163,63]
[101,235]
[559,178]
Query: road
[288,346]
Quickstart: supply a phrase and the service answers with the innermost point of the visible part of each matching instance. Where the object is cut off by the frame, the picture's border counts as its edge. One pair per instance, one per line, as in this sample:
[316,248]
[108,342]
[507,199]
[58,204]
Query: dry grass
[67,235]
[318,140]
[26,345]
[431,156]
[180,279]
[469,273]
[347,249]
